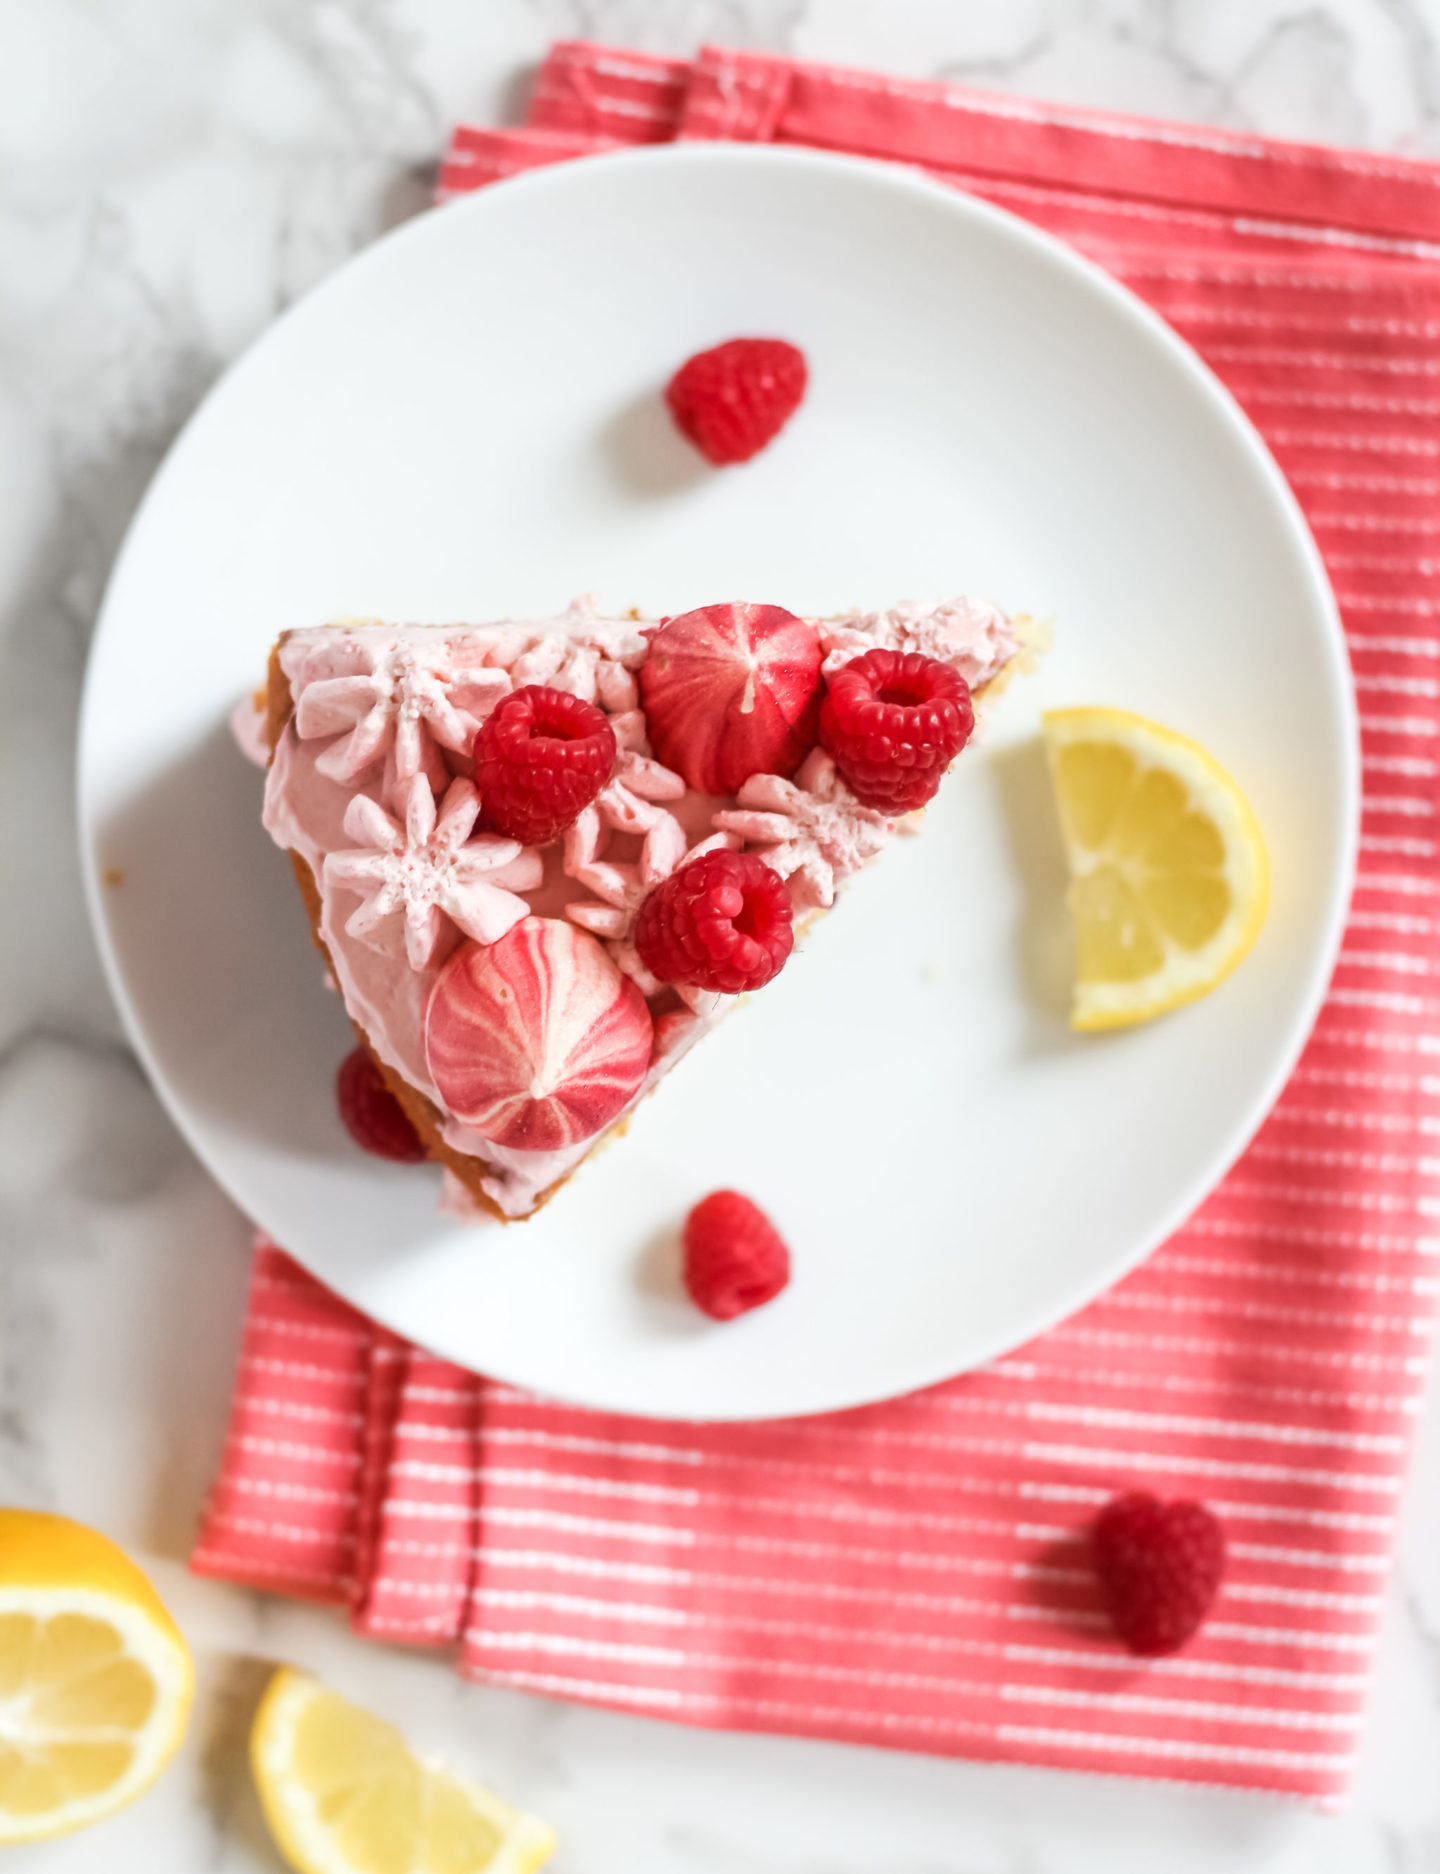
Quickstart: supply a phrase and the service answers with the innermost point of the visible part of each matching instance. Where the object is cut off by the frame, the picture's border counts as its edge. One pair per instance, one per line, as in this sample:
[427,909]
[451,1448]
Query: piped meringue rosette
[497,985]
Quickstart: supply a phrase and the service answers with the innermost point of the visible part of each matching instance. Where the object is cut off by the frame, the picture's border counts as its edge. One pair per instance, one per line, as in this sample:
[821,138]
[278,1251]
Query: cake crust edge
[421,1113]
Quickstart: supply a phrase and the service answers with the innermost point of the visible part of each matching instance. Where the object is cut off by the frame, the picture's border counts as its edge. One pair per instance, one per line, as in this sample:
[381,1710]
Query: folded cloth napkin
[913,1574]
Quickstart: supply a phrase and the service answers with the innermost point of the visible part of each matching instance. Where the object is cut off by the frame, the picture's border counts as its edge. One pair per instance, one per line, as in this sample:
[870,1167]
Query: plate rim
[1148,327]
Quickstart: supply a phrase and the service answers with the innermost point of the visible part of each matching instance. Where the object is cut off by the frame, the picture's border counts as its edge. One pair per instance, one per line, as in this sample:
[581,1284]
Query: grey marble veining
[172,174]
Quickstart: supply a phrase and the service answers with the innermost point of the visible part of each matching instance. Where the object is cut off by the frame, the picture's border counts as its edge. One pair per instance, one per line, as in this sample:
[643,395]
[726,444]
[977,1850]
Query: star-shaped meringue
[630,803]
[593,658]
[811,830]
[429,870]
[397,699]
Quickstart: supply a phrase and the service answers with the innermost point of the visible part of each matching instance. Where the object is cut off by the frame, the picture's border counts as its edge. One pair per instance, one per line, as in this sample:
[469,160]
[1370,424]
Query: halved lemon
[344,1794]
[95,1678]
[1169,879]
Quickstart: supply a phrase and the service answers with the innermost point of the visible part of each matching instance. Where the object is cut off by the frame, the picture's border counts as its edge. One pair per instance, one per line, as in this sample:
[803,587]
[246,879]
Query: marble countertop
[172,174]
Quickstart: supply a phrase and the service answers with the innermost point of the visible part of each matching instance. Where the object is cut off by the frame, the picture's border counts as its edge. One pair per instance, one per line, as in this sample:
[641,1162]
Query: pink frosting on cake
[371,785]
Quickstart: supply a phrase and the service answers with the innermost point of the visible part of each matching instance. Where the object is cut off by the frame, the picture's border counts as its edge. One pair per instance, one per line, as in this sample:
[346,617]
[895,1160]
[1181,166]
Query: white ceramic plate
[466,423]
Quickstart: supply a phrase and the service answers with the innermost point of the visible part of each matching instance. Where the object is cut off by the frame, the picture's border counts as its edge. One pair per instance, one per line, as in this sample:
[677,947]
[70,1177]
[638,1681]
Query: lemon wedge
[344,1794]
[1169,880]
[95,1678]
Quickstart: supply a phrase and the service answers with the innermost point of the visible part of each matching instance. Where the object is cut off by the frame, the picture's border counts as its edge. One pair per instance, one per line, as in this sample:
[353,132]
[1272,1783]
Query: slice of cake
[542,859]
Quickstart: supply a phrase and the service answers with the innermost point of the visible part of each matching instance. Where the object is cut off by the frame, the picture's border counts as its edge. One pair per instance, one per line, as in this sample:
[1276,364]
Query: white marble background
[172,174]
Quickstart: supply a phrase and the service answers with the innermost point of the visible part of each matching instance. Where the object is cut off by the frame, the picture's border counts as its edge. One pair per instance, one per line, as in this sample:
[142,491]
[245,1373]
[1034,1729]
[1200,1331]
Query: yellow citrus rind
[96,1680]
[1169,876]
[344,1794]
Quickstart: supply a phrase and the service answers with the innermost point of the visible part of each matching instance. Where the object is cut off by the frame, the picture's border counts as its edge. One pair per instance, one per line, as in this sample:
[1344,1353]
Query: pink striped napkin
[912,1574]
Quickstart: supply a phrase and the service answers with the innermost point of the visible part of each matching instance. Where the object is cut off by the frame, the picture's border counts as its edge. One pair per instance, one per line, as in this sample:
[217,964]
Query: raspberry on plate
[1159,1566]
[373,1117]
[541,757]
[722,922]
[893,722]
[735,1258]
[733,399]
[730,691]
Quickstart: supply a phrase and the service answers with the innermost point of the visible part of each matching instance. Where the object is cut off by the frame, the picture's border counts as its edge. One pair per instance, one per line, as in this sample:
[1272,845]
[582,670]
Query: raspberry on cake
[892,722]
[542,858]
[540,756]
[723,922]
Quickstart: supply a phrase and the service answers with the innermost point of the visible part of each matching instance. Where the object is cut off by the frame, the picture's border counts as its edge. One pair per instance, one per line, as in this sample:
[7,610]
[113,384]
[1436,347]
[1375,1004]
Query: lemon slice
[95,1678]
[1169,881]
[344,1794]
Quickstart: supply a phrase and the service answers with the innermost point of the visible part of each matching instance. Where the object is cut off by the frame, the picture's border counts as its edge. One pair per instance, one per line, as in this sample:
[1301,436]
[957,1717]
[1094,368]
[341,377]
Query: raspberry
[732,400]
[373,1117]
[540,757]
[735,1259]
[1159,1566]
[722,922]
[893,723]
[730,691]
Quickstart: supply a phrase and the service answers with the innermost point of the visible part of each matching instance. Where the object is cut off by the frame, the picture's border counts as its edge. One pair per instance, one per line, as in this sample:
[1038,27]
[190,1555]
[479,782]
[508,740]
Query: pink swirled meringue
[430,870]
[538,1041]
[811,830]
[973,637]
